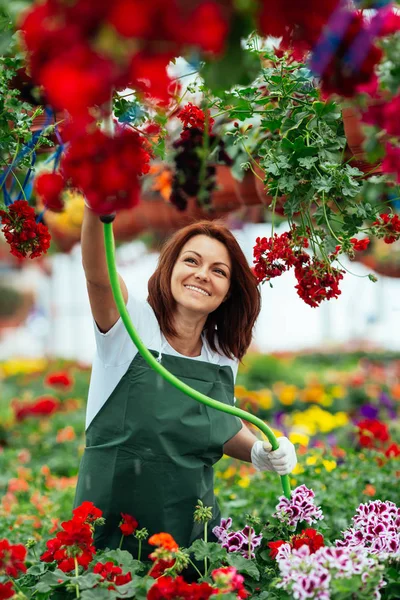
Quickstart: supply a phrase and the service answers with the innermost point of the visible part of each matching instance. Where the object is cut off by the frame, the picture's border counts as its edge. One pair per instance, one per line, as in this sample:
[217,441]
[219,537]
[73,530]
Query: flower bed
[346,464]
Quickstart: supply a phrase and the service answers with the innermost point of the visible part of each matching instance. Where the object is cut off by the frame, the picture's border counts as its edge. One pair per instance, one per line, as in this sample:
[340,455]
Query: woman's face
[201,276]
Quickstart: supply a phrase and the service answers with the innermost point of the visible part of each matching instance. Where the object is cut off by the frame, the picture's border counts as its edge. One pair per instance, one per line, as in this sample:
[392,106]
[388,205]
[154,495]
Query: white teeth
[196,289]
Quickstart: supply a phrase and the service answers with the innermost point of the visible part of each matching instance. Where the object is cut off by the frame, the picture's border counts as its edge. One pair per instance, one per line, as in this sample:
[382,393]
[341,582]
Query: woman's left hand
[282,461]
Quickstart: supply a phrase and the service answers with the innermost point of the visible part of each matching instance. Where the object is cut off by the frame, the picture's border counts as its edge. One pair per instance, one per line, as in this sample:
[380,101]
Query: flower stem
[194,566]
[140,550]
[205,558]
[121,541]
[76,575]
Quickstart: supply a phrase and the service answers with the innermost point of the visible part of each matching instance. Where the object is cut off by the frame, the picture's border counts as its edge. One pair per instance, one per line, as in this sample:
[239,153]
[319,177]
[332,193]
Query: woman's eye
[192,259]
[220,271]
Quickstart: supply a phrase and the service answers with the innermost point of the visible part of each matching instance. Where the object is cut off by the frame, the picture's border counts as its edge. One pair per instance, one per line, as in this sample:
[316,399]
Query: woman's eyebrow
[199,255]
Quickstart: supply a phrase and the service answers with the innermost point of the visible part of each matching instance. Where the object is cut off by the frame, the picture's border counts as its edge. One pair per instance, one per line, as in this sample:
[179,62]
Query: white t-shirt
[115,352]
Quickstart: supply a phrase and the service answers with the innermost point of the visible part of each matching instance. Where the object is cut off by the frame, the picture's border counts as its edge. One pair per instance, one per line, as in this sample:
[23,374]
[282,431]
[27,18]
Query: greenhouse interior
[199,299]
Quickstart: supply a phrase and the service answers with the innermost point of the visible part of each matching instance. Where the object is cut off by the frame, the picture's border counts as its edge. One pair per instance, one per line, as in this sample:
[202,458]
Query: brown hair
[234,318]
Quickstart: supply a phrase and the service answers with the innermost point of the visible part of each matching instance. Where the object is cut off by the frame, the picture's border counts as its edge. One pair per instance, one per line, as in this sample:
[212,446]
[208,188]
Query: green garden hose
[154,364]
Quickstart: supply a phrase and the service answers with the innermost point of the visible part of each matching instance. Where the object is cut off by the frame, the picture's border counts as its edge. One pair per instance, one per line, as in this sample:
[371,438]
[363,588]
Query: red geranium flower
[308,537]
[87,512]
[111,572]
[12,557]
[160,566]
[6,590]
[360,245]
[60,379]
[25,236]
[388,226]
[393,451]
[372,433]
[49,187]
[193,116]
[167,588]
[128,524]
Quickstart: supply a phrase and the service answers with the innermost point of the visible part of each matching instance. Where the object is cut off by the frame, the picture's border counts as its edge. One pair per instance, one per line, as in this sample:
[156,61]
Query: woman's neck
[188,336]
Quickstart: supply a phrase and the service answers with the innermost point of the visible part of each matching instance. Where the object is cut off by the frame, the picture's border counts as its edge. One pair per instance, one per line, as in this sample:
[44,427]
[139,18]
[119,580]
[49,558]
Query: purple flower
[369,411]
[244,541]
[299,508]
[376,527]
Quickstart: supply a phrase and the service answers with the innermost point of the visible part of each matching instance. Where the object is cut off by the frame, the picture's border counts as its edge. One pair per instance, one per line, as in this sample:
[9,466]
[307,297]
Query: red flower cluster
[388,227]
[391,162]
[316,280]
[105,169]
[372,433]
[193,116]
[68,50]
[42,407]
[12,558]
[299,24]
[25,236]
[167,588]
[360,245]
[353,62]
[76,539]
[60,379]
[308,537]
[112,573]
[128,524]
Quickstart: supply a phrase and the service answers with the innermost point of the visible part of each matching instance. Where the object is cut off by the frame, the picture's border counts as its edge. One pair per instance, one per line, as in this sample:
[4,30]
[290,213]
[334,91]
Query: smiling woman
[150,449]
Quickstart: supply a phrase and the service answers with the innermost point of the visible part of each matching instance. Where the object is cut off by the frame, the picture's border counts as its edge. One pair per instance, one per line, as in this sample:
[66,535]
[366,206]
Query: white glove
[283,460]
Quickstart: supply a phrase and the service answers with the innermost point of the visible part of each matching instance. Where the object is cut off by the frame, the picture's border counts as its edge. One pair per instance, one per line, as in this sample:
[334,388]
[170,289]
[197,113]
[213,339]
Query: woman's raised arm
[101,299]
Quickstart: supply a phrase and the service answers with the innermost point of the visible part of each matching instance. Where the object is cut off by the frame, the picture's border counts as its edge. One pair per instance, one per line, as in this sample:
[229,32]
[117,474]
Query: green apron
[150,451]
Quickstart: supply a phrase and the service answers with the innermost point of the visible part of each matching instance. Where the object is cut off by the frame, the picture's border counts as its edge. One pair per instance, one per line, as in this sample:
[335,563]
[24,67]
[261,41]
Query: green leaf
[97,594]
[212,550]
[243,565]
[307,162]
[124,559]
[51,580]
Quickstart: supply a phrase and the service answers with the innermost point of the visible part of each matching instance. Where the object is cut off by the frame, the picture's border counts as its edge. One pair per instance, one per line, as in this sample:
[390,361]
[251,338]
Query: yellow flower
[288,395]
[341,418]
[298,470]
[22,366]
[293,482]
[312,460]
[313,393]
[299,438]
[338,391]
[244,482]
[329,465]
[265,399]
[230,472]
[326,400]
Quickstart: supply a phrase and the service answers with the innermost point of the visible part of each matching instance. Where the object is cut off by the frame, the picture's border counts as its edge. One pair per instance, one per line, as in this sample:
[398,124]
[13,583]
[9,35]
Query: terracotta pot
[355,140]
[247,188]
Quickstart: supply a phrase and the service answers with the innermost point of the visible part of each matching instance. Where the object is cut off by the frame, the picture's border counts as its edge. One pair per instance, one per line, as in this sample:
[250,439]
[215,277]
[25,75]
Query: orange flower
[369,490]
[162,180]
[45,470]
[17,485]
[165,540]
[8,501]
[24,473]
[66,435]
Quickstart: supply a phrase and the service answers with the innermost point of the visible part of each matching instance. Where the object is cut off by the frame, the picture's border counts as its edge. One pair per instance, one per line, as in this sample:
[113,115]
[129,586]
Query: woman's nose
[202,274]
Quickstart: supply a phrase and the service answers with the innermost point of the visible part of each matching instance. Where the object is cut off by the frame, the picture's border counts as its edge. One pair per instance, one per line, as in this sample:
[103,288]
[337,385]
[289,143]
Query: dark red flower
[160,566]
[49,187]
[308,537]
[106,170]
[167,588]
[12,557]
[193,116]
[43,406]
[25,236]
[317,281]
[6,590]
[76,534]
[111,572]
[353,61]
[391,162]
[388,227]
[299,24]
[128,524]
[360,245]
